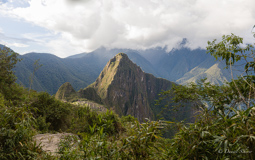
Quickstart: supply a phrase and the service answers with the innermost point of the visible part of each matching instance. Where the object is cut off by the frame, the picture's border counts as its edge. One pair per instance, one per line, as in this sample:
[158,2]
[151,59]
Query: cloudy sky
[67,27]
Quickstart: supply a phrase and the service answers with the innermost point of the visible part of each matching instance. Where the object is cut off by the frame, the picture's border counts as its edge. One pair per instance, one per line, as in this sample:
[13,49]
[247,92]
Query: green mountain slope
[54,72]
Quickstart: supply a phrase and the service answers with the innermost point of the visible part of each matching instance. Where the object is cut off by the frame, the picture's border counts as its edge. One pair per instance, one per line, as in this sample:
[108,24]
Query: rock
[49,142]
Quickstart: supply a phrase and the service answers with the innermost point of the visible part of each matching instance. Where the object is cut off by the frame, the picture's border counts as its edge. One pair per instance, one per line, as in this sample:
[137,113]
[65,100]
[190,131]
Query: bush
[16,131]
[84,118]
[142,141]
[55,113]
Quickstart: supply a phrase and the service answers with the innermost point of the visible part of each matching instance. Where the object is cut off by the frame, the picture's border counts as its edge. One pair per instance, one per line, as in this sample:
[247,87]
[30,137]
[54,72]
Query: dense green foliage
[140,141]
[224,128]
[55,113]
[8,87]
[16,122]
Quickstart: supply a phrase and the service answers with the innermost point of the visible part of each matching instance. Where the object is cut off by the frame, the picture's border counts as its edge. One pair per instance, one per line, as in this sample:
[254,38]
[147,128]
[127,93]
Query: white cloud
[14,44]
[64,46]
[85,25]
[18,45]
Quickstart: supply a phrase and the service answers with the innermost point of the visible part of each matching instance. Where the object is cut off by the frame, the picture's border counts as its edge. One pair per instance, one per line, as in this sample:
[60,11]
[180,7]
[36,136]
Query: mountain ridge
[83,69]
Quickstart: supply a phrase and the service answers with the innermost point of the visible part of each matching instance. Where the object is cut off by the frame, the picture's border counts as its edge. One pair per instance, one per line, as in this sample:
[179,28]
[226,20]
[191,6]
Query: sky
[68,27]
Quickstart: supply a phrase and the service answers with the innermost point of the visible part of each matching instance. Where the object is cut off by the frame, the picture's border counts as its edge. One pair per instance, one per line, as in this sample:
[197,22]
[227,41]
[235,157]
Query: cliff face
[123,86]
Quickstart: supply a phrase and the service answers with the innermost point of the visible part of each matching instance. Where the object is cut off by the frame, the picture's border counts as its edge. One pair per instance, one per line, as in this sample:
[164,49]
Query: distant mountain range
[180,65]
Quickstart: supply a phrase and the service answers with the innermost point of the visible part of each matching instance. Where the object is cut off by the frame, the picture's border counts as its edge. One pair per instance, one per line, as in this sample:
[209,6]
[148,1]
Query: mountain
[123,86]
[154,55]
[127,89]
[65,92]
[175,64]
[215,72]
[179,65]
[80,70]
[184,65]
[54,72]
[102,55]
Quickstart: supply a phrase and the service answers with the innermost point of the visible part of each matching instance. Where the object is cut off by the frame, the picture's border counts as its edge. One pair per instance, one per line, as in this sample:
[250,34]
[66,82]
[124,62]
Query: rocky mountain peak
[124,87]
[65,92]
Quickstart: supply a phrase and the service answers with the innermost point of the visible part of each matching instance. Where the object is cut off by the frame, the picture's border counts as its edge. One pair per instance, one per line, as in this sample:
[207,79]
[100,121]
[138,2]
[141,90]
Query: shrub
[55,113]
[84,118]
[16,131]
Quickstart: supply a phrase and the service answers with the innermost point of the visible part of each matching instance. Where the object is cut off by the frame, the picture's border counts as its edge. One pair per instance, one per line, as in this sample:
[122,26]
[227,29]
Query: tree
[225,126]
[230,50]
[8,60]
[16,120]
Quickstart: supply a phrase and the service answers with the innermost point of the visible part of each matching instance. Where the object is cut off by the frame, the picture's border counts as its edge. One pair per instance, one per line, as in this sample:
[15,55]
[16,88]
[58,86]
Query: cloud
[140,24]
[17,45]
[21,40]
[3,1]
[13,42]
[26,42]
